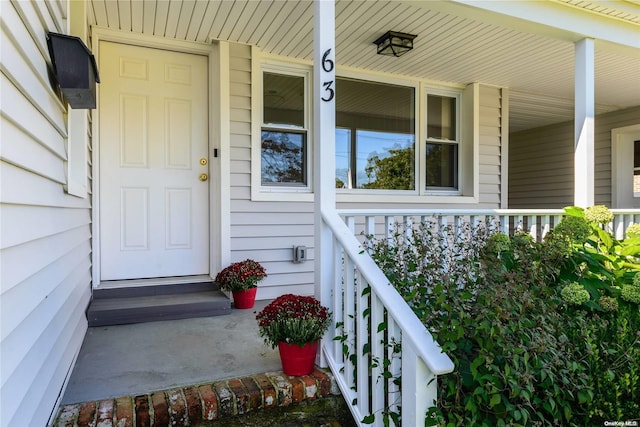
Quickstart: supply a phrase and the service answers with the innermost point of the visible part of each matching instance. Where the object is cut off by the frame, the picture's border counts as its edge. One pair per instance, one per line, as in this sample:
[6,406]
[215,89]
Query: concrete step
[139,304]
[269,399]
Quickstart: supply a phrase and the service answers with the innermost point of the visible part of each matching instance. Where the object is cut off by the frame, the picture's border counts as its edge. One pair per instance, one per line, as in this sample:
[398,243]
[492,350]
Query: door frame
[619,137]
[218,65]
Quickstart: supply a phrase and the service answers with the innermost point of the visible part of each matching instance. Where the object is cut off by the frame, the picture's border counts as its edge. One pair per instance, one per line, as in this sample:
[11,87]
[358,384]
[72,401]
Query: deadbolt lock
[203,177]
[203,161]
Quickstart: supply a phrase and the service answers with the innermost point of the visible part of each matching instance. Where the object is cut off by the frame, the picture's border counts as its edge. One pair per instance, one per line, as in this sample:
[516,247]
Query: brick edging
[198,403]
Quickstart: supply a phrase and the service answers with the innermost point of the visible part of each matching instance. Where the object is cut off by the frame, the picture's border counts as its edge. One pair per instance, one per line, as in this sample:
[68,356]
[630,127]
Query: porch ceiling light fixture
[393,43]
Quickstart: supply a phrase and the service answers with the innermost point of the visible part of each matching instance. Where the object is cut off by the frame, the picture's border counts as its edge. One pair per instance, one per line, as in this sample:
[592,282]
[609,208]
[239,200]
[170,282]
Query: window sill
[264,194]
[283,195]
[405,198]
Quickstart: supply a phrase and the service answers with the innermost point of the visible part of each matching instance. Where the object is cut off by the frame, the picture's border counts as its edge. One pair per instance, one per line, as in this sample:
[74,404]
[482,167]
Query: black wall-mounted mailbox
[75,68]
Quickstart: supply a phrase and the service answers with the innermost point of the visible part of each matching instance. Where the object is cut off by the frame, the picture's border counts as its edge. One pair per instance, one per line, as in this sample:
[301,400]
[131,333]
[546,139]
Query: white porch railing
[379,340]
[536,222]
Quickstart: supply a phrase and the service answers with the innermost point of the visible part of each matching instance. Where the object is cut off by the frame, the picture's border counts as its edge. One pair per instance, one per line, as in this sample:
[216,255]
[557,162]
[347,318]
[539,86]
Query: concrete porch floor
[138,358]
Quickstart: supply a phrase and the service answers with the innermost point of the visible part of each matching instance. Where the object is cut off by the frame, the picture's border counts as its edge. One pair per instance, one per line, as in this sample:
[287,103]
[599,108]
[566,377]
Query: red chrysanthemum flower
[241,275]
[294,319]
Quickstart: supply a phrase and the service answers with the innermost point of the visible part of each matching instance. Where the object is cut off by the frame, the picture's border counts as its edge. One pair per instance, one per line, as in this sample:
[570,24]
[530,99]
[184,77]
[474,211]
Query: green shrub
[522,356]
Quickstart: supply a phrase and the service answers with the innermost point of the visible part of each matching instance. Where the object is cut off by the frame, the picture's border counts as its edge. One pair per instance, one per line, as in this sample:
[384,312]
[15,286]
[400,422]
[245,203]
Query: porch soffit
[622,10]
[454,44]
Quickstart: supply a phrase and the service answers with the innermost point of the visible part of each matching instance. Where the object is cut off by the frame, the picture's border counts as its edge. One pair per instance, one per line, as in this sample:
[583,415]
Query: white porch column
[584,180]
[324,123]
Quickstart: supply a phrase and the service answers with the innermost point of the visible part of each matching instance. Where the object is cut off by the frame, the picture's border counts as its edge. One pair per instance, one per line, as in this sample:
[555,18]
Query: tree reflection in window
[283,158]
[394,171]
[442,165]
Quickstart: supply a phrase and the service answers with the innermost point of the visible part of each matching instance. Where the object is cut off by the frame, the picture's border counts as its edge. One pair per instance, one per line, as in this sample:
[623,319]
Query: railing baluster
[370,225]
[338,295]
[349,318]
[546,225]
[557,219]
[395,367]
[351,223]
[458,220]
[518,223]
[408,228]
[389,225]
[474,221]
[362,337]
[377,342]
[532,221]
[504,224]
[617,225]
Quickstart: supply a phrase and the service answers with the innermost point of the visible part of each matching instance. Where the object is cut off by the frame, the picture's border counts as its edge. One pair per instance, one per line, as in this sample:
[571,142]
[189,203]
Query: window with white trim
[442,152]
[394,136]
[285,130]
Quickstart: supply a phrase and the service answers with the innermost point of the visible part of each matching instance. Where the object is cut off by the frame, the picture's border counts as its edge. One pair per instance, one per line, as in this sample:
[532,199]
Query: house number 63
[327,66]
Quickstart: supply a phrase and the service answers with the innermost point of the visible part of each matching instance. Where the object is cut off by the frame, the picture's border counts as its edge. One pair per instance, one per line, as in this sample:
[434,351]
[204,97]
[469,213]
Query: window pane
[442,165]
[636,168]
[283,100]
[384,160]
[441,117]
[283,157]
[375,144]
[343,154]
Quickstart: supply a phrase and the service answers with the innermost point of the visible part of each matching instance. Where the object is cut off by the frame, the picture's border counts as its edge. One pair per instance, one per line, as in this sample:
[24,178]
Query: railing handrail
[462,211]
[413,329]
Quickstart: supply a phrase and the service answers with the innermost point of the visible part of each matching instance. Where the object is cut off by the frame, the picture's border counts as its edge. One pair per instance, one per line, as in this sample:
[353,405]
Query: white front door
[154,201]
[625,176]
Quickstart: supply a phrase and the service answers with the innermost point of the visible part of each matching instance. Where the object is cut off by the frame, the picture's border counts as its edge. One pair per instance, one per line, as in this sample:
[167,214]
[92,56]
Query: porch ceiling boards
[453,45]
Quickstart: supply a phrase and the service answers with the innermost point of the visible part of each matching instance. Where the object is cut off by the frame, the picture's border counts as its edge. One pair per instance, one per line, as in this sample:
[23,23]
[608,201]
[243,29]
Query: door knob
[203,177]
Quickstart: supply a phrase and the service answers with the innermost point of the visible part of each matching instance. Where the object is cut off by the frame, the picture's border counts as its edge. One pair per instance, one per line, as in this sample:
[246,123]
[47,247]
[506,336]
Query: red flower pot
[245,298]
[297,360]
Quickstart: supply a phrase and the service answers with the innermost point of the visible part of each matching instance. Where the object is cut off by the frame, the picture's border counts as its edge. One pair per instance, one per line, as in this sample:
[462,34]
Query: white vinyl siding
[541,167]
[541,162]
[265,231]
[45,250]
